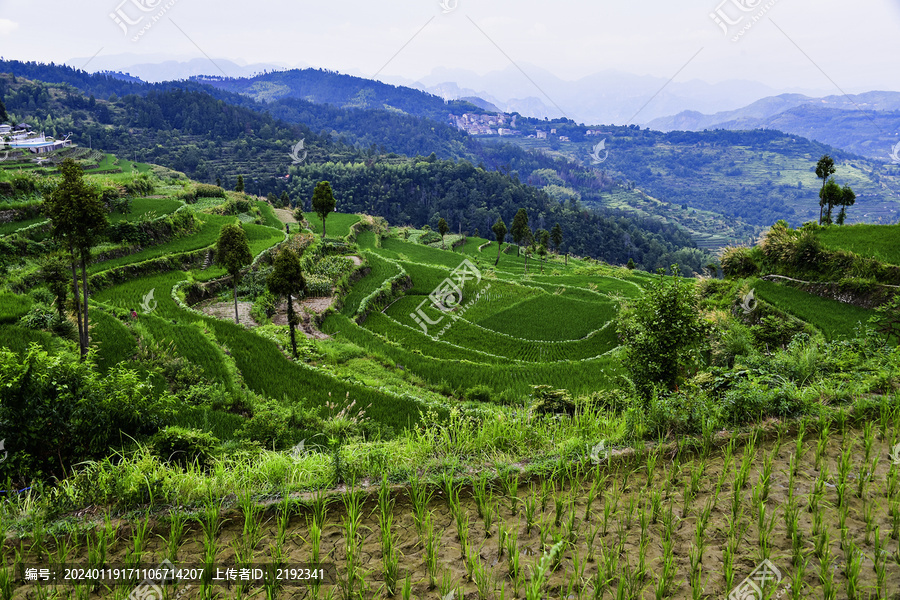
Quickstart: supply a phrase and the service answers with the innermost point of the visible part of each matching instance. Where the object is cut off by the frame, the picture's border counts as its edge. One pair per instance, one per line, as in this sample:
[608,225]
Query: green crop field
[146,207]
[881,242]
[337,224]
[834,319]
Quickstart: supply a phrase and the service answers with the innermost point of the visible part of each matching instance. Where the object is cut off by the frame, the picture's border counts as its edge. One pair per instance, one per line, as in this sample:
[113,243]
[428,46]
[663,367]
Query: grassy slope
[834,319]
[881,242]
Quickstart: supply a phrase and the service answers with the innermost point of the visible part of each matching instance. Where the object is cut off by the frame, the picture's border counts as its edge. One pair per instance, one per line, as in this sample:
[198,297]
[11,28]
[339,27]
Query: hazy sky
[854,44]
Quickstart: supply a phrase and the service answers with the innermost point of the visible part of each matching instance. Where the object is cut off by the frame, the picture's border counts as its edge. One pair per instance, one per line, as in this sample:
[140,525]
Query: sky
[828,45]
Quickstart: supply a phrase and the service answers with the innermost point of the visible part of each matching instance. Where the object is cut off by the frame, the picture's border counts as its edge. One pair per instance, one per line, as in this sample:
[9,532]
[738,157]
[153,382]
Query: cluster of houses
[499,124]
[24,137]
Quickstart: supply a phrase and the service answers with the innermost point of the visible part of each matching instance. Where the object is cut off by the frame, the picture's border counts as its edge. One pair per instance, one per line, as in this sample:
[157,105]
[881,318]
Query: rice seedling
[590,537]
[655,504]
[539,572]
[447,589]
[6,583]
[512,554]
[431,550]
[740,479]
[461,517]
[822,443]
[559,503]
[765,476]
[389,553]
[570,527]
[479,492]
[851,571]
[177,521]
[483,578]
[511,482]
[319,504]
[652,458]
[591,496]
[420,495]
[687,496]
[548,488]
[607,513]
[895,519]
[764,528]
[489,512]
[530,505]
[353,501]
[822,549]
[406,590]
[796,547]
[797,578]
[502,535]
[818,490]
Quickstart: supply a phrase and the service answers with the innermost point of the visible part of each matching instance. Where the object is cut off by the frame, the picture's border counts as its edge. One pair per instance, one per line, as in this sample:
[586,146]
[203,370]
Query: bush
[205,190]
[56,411]
[547,400]
[738,262]
[662,333]
[479,393]
[269,425]
[184,446]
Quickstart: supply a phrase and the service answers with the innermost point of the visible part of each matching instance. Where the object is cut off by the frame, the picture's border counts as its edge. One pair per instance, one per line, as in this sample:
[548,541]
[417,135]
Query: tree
[542,252]
[218,182]
[499,229]
[3,115]
[848,198]
[713,269]
[556,235]
[78,217]
[543,237]
[824,169]
[239,187]
[272,199]
[443,228]
[285,200]
[829,196]
[518,227]
[55,275]
[287,280]
[233,253]
[323,202]
[662,333]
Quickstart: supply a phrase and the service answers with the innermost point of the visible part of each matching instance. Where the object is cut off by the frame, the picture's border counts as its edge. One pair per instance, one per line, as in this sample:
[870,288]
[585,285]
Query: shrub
[205,190]
[269,425]
[662,333]
[547,400]
[184,446]
[479,393]
[737,261]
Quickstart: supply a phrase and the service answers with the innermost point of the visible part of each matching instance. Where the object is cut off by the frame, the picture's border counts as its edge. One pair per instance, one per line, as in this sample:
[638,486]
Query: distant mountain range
[866,124]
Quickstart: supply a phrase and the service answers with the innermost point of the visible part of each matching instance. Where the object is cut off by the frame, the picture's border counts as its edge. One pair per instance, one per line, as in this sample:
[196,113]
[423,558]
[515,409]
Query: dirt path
[284,215]
[304,308]
[225,310]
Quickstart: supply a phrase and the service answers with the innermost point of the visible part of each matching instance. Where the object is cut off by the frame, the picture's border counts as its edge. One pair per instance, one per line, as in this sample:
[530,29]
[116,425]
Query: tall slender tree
[519,227]
[233,253]
[78,217]
[443,228]
[848,198]
[323,202]
[556,235]
[239,186]
[824,169]
[287,280]
[499,229]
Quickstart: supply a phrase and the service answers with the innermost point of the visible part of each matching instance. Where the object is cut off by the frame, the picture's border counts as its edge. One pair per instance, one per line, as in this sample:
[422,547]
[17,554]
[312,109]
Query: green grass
[834,319]
[269,218]
[552,318]
[881,242]
[8,228]
[141,206]
[13,307]
[113,339]
[381,271]
[336,224]
[18,339]
[207,236]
